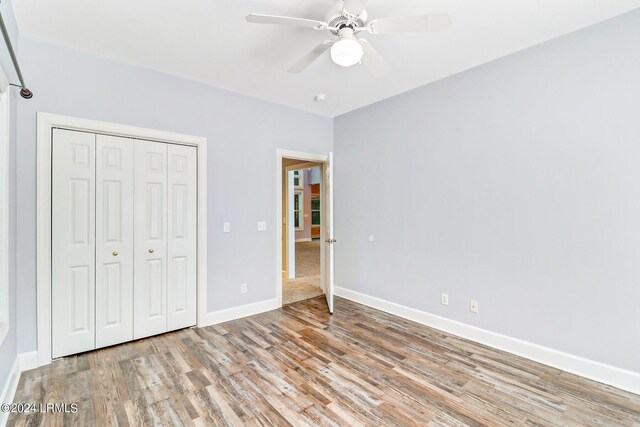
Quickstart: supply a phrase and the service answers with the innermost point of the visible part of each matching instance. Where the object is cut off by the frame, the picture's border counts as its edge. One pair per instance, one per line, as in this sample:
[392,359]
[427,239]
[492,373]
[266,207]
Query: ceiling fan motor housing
[337,18]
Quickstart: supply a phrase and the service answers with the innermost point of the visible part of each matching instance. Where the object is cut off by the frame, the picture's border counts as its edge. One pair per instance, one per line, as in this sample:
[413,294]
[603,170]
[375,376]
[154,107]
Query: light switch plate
[226,227]
[444,299]
[262,226]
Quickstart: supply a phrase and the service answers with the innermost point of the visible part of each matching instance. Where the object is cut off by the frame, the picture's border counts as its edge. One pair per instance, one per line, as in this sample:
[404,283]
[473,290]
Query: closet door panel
[150,238]
[182,233]
[114,240]
[73,242]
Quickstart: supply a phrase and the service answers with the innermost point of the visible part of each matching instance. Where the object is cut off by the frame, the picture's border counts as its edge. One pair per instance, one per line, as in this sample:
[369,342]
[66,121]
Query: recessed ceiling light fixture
[321,97]
[346,51]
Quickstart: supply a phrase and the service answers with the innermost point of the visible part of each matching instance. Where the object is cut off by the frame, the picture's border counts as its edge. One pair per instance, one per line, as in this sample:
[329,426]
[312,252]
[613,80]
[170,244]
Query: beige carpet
[307,259]
[307,282]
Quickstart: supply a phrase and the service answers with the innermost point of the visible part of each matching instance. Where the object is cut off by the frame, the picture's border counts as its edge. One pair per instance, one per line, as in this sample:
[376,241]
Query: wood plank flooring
[300,366]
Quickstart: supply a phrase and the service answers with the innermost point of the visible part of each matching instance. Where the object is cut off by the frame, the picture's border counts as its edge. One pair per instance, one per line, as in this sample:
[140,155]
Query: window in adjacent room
[298,179]
[298,210]
[315,210]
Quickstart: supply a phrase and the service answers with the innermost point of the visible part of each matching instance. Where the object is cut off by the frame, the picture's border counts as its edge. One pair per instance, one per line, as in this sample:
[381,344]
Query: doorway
[303,220]
[305,232]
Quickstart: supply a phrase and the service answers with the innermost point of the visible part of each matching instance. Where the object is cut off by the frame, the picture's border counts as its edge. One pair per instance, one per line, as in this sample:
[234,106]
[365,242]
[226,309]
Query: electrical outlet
[226,227]
[473,306]
[444,299]
[243,288]
[262,226]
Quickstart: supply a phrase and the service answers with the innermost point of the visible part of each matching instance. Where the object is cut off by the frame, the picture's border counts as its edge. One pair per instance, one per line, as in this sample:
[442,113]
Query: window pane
[296,219]
[315,204]
[296,182]
[315,218]
[296,202]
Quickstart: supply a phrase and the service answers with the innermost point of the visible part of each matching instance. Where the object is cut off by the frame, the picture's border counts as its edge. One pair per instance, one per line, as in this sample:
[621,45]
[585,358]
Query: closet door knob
[151,251]
[114,253]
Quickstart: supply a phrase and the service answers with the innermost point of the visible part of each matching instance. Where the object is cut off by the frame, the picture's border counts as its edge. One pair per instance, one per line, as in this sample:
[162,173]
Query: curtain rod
[24,92]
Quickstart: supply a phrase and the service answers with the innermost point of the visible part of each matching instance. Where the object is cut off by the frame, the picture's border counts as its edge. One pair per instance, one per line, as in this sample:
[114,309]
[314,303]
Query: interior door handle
[331,241]
[151,251]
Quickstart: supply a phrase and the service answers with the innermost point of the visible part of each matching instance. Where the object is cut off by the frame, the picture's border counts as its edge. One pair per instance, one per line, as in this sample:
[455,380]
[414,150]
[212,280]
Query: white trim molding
[46,124]
[22,362]
[597,371]
[9,390]
[28,361]
[233,313]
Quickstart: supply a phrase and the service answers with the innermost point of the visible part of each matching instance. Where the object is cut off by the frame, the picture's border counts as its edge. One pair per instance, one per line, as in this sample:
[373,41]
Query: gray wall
[243,134]
[516,183]
[8,348]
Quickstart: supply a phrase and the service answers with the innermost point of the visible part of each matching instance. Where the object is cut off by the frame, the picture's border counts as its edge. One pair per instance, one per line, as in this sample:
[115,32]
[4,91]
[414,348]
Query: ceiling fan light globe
[346,52]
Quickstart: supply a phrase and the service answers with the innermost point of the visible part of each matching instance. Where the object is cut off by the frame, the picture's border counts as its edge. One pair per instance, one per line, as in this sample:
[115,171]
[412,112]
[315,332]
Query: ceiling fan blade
[310,57]
[354,7]
[256,18]
[373,61]
[411,24]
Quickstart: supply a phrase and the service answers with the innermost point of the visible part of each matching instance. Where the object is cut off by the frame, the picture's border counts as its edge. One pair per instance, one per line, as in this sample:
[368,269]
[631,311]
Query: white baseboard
[306,239]
[28,361]
[9,390]
[23,362]
[597,371]
[220,316]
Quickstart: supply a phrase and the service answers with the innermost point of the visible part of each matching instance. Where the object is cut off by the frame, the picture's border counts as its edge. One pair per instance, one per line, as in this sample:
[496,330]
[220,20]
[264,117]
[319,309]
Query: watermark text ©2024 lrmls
[21,408]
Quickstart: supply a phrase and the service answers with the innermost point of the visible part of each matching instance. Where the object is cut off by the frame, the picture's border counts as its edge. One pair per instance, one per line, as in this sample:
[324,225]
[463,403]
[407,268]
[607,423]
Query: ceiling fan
[344,22]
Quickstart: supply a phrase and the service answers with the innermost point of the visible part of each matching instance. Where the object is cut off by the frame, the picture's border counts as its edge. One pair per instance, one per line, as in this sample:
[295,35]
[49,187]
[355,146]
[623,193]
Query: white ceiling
[209,41]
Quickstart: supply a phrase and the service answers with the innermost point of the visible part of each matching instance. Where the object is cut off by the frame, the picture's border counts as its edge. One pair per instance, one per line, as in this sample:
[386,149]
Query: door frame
[45,124]
[290,226]
[280,169]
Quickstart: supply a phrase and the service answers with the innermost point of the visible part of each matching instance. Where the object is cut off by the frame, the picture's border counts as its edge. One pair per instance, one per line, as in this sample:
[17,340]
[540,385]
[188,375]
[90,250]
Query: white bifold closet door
[73,242]
[182,234]
[114,240]
[150,237]
[165,238]
[124,239]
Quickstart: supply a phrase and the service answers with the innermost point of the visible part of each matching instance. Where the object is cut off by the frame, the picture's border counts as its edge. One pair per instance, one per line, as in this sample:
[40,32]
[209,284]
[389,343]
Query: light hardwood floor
[300,366]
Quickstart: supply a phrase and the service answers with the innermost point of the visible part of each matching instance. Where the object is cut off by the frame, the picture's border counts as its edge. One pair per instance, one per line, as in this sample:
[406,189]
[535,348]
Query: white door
[291,229]
[328,230]
[182,234]
[114,240]
[73,249]
[150,239]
